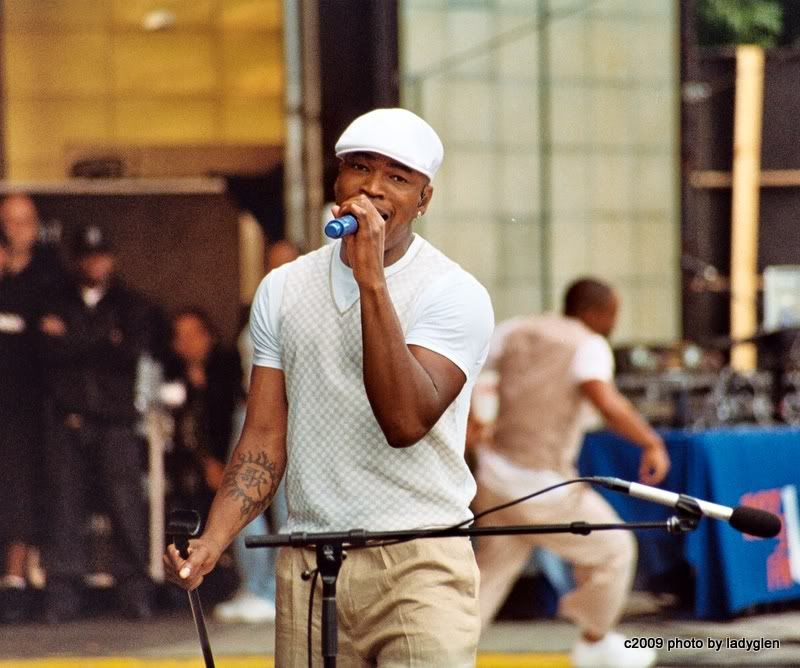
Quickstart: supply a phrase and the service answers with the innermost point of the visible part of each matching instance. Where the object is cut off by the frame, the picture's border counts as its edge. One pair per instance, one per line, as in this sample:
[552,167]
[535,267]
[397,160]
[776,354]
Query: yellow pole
[744,216]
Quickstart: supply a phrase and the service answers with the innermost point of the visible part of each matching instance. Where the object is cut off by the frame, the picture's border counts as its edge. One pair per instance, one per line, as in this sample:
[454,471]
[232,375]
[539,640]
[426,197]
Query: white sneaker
[245,607]
[610,652]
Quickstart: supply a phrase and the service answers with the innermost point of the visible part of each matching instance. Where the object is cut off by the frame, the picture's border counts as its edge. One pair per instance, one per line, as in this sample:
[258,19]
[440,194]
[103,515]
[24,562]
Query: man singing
[366,352]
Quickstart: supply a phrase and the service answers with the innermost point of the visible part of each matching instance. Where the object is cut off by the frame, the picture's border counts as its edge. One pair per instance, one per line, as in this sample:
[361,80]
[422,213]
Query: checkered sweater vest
[341,471]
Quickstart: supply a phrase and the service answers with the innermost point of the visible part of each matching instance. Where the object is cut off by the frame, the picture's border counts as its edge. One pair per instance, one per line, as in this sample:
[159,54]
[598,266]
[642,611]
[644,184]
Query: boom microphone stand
[330,551]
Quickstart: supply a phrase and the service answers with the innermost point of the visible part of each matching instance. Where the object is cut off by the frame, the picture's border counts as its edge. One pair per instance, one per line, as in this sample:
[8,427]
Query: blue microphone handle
[341,227]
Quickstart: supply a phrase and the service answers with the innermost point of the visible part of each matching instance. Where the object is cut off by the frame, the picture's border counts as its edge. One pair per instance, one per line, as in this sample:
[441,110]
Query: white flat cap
[398,134]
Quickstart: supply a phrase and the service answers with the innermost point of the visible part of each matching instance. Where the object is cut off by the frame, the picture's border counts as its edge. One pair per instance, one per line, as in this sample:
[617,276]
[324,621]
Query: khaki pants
[603,561]
[410,604]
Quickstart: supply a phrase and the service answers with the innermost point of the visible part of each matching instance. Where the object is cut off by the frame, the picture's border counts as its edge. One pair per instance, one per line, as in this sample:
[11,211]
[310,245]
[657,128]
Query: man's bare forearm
[251,480]
[400,391]
[620,414]
[249,483]
[627,422]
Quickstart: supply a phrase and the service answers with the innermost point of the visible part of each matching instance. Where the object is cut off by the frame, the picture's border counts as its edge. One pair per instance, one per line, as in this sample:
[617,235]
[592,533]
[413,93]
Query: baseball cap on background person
[398,134]
[90,239]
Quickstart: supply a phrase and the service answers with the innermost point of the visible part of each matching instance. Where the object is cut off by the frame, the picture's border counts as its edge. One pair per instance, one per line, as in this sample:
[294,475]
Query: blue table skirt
[743,465]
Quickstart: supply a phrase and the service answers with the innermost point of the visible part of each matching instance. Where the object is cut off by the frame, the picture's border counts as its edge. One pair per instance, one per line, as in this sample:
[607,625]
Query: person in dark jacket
[28,273]
[94,337]
[212,377]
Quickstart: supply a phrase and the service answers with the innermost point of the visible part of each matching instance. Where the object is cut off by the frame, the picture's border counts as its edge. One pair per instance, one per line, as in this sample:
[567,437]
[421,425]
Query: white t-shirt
[593,361]
[340,470]
[437,324]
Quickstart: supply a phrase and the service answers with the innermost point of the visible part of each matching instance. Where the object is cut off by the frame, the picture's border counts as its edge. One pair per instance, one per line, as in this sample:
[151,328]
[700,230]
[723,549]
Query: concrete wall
[560,125]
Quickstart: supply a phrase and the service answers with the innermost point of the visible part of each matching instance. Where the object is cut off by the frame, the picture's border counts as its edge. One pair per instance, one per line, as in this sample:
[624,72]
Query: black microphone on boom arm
[746,519]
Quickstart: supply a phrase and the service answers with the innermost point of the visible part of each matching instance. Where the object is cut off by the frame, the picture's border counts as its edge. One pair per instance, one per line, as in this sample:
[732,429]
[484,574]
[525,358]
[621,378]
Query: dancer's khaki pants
[410,604]
[603,561]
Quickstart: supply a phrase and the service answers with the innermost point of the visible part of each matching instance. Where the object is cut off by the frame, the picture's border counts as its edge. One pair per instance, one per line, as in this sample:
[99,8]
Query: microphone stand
[330,550]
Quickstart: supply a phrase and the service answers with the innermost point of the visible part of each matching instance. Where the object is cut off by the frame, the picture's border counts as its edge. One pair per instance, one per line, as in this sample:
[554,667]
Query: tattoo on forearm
[253,479]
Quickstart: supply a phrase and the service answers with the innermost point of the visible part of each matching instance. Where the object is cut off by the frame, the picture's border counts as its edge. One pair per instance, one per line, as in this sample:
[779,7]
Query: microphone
[341,227]
[746,519]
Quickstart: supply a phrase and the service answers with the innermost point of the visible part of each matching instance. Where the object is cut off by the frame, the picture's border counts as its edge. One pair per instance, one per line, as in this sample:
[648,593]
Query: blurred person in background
[365,354]
[211,376]
[27,257]
[94,334]
[28,274]
[255,600]
[551,371]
